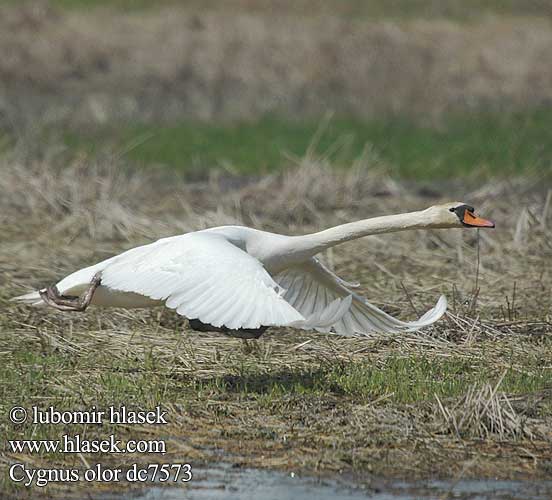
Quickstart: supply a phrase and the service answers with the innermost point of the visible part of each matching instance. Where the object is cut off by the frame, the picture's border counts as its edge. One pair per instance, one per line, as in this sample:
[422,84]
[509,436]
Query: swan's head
[456,214]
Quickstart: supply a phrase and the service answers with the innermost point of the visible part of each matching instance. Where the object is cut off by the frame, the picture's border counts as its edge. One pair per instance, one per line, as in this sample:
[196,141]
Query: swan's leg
[242,333]
[53,298]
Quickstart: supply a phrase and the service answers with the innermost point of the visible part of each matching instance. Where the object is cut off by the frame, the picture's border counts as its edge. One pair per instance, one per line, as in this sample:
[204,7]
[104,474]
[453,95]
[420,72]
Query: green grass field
[146,380]
[490,144]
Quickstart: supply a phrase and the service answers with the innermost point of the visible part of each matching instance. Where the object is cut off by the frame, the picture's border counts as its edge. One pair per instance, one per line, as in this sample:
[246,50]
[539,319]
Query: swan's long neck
[306,246]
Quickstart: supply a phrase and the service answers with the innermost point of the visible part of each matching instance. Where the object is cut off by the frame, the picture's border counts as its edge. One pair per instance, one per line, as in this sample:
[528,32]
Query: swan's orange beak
[472,220]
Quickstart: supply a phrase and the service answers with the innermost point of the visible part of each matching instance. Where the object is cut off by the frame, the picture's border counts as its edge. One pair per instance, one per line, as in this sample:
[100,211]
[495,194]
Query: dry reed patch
[483,412]
[240,65]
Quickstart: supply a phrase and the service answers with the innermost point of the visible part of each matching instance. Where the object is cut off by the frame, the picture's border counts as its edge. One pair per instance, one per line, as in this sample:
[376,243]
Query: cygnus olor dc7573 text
[243,280]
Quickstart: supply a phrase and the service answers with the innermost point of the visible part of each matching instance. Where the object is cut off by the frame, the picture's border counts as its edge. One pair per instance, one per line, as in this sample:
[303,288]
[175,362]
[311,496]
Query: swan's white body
[240,277]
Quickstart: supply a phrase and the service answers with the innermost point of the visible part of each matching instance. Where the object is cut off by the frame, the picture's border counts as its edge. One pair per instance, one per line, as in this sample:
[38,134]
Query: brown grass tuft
[483,412]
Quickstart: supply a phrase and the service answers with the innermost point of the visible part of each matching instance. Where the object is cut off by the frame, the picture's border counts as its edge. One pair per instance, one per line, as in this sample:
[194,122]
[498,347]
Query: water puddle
[222,481]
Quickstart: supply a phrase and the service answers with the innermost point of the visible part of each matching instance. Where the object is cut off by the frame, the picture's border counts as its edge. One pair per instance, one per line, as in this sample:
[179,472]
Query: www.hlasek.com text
[76,444]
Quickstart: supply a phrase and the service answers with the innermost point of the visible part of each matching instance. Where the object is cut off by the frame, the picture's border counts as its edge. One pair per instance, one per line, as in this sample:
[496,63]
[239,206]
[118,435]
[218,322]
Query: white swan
[243,280]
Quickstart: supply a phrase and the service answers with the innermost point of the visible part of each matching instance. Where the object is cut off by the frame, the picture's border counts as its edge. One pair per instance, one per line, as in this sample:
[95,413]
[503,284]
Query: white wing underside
[311,287]
[204,276]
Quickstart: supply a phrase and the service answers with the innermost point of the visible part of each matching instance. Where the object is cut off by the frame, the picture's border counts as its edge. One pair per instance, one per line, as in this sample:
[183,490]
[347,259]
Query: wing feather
[204,276]
[311,287]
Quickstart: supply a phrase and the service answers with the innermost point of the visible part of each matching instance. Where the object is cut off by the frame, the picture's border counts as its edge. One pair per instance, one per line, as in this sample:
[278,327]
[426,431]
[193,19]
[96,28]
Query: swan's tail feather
[31,298]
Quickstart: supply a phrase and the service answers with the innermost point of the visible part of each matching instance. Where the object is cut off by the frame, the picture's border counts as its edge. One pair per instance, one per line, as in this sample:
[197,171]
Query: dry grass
[100,66]
[484,412]
[292,399]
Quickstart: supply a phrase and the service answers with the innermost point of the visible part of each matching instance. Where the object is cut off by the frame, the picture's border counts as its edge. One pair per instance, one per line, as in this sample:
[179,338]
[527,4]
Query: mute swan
[242,280]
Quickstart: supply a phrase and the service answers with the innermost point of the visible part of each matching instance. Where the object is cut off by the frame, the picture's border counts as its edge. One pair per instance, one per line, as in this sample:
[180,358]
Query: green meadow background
[486,143]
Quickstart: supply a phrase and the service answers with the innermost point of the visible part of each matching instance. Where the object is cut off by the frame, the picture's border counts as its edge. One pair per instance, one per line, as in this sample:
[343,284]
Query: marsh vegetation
[93,162]
[472,392]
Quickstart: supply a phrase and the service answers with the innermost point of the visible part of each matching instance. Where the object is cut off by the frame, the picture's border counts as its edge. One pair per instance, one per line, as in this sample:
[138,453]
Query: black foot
[241,333]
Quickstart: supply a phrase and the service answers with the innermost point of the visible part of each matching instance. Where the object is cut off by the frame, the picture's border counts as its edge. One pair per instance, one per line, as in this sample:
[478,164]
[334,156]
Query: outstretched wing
[201,275]
[204,276]
[310,287]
